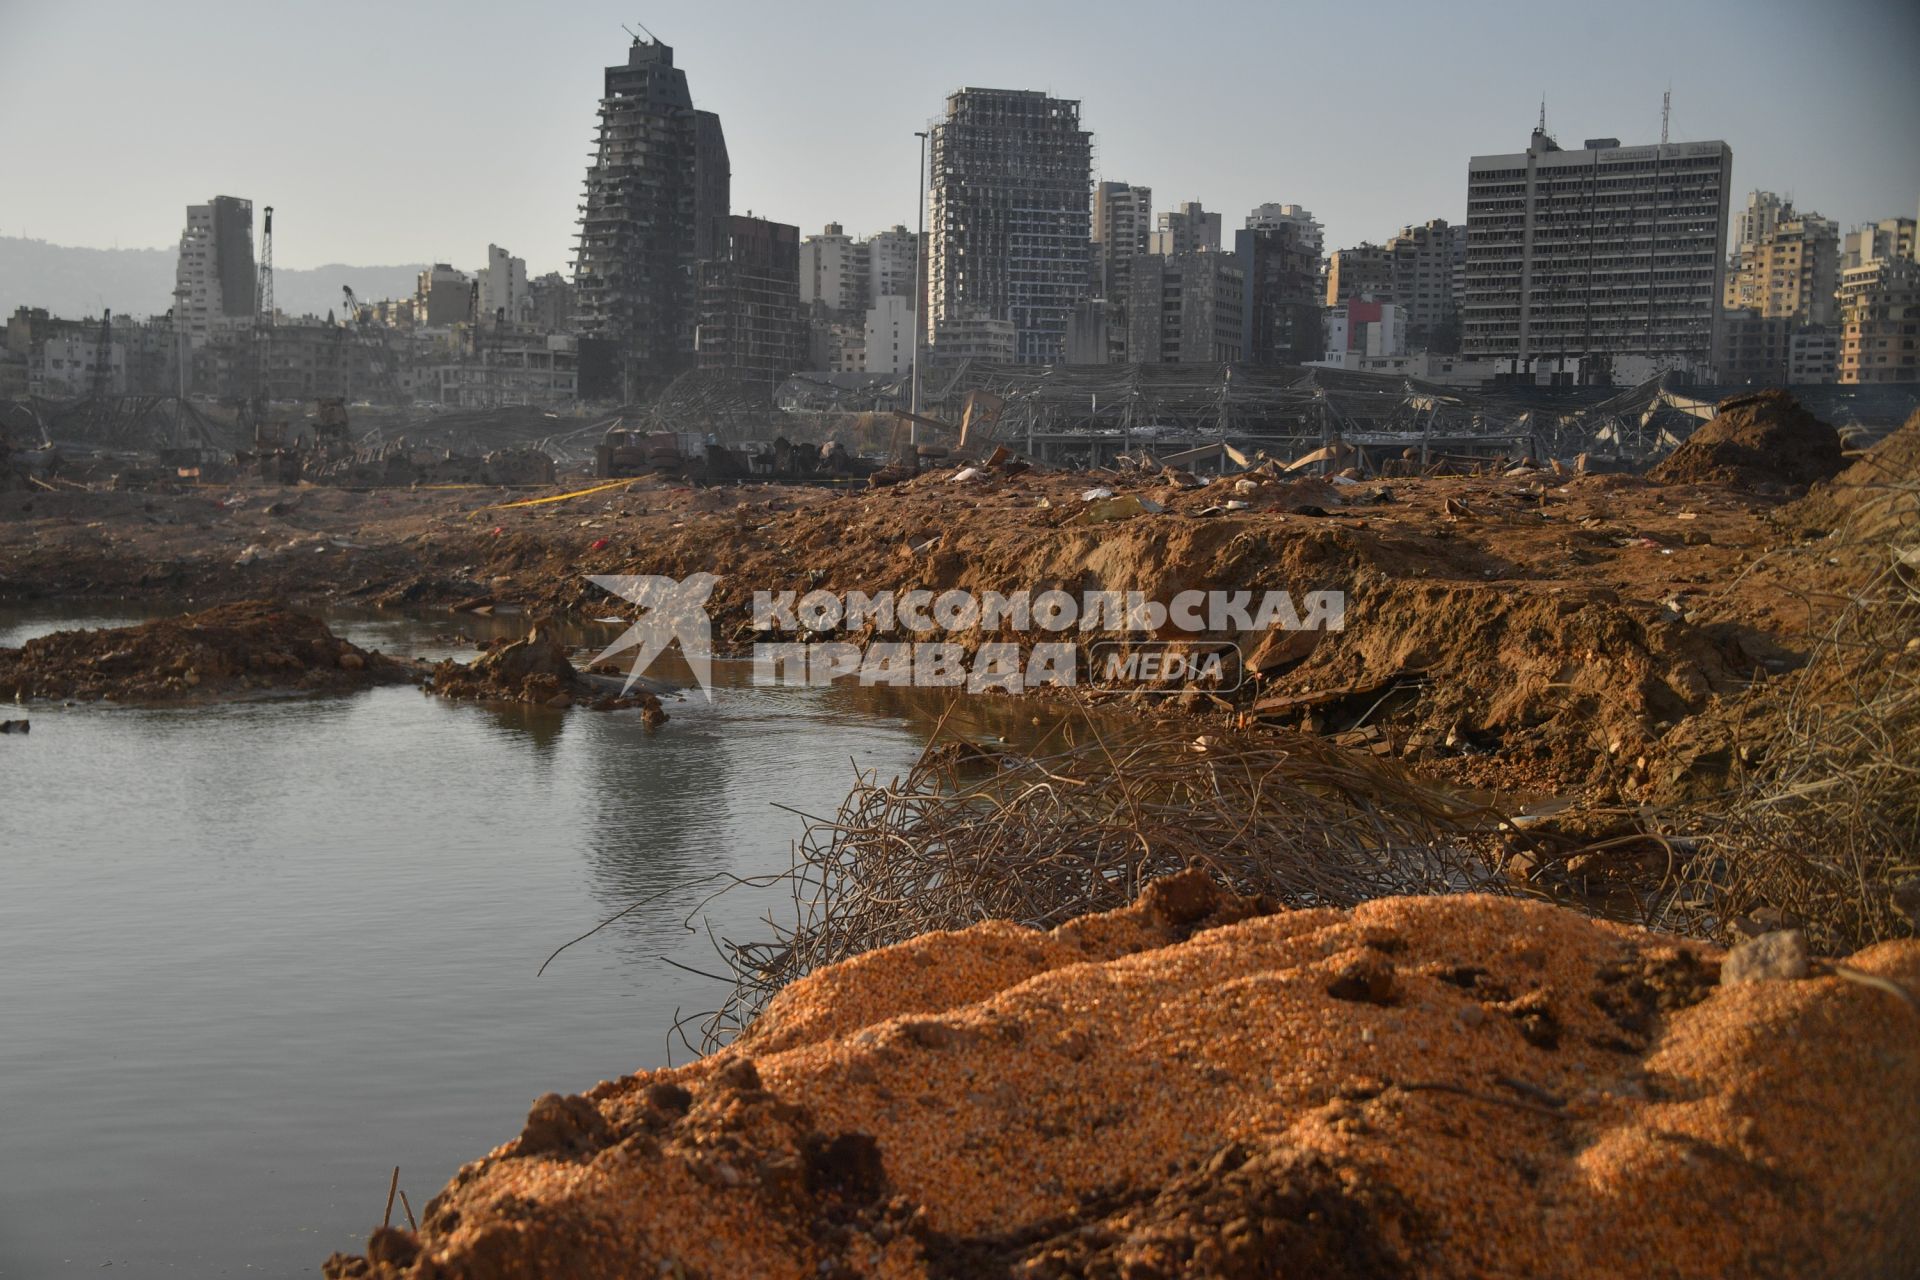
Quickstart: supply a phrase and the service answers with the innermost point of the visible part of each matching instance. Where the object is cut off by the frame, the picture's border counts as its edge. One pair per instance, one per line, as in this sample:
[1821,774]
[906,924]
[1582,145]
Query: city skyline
[408,138]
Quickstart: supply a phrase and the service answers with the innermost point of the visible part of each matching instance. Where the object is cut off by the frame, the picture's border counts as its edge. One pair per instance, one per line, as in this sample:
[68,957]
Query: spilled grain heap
[1452,1086]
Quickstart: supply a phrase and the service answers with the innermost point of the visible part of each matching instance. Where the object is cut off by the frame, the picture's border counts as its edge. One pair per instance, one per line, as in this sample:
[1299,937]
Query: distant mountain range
[76,283]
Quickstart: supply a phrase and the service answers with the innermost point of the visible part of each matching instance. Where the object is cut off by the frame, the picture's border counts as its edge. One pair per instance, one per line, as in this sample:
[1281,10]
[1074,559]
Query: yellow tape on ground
[558,497]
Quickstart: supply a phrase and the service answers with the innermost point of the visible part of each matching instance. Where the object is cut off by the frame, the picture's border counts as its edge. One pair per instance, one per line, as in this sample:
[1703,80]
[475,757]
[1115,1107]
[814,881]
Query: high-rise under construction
[1010,234]
[656,192]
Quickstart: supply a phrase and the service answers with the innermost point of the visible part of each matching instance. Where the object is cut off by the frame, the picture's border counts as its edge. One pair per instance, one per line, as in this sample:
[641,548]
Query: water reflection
[325,915]
[254,954]
[659,797]
[521,724]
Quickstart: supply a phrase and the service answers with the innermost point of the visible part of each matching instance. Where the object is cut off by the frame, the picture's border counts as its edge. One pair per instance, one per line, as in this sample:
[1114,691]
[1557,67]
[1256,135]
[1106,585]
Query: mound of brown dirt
[231,650]
[1756,441]
[1574,685]
[1447,1086]
[536,670]
[1876,498]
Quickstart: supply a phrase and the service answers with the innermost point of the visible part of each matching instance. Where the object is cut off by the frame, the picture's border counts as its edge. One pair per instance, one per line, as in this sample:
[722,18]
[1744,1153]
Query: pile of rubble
[1764,441]
[233,650]
[537,671]
[1446,1086]
[1874,501]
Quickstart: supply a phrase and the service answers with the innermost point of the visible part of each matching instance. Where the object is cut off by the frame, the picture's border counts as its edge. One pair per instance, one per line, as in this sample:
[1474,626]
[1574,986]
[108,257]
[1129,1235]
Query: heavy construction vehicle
[631,451]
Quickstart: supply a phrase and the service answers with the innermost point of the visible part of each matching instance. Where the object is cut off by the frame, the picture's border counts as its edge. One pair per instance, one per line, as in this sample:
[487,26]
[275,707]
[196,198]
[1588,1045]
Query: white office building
[1608,259]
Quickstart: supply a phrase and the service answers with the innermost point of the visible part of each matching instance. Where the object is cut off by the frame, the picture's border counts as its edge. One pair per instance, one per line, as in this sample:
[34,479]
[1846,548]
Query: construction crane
[266,269]
[372,336]
[263,328]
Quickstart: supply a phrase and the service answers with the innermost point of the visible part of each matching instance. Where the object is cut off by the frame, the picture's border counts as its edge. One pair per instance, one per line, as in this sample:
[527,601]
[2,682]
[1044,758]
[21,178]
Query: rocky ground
[247,649]
[1530,631]
[537,670]
[1202,1085]
[1196,1086]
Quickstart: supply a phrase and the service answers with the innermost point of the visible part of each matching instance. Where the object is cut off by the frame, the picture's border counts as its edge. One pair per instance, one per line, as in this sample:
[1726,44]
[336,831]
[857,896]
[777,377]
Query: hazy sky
[412,130]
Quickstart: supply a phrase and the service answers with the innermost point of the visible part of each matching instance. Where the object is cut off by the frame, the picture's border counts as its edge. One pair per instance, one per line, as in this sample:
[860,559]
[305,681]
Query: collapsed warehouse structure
[1062,415]
[1088,414]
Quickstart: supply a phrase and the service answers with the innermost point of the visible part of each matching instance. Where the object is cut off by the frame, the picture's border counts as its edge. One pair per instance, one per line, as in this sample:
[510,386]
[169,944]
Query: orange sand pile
[1450,1086]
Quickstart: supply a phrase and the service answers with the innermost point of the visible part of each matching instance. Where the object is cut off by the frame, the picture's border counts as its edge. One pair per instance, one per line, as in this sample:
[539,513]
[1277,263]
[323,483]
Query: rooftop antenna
[1666,113]
[643,26]
[1543,113]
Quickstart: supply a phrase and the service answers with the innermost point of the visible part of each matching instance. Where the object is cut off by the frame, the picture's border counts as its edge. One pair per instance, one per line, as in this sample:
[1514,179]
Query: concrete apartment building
[1362,330]
[1754,350]
[442,296]
[1755,220]
[1813,356]
[749,301]
[841,347]
[44,354]
[1429,262]
[1282,294]
[73,364]
[1092,336]
[892,259]
[506,368]
[1365,271]
[551,303]
[1880,323]
[1869,277]
[833,271]
[1607,260]
[974,338]
[1790,271]
[1887,238]
[1300,230]
[655,201]
[843,281]
[502,290]
[1188,229]
[1779,292]
[1122,225]
[888,346]
[1186,309]
[1307,231]
[214,279]
[1010,237]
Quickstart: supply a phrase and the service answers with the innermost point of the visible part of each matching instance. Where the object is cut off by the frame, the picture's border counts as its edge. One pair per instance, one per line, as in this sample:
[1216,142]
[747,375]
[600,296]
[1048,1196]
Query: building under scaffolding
[1010,236]
[655,195]
[750,318]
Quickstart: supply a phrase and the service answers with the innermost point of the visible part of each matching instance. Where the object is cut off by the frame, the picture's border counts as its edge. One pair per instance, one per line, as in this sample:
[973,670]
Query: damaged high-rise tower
[1010,233]
[656,192]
